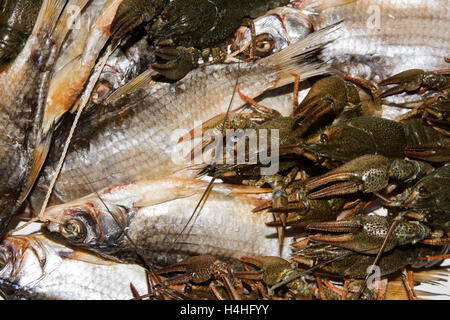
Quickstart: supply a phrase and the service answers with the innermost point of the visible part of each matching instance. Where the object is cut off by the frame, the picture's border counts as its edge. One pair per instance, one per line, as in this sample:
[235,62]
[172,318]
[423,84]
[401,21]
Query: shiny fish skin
[410,34]
[65,273]
[155,212]
[135,138]
[20,84]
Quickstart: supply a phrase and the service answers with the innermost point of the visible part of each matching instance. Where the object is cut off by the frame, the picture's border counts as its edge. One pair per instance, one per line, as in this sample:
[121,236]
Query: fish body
[17,20]
[381,38]
[154,213]
[36,267]
[135,137]
[21,83]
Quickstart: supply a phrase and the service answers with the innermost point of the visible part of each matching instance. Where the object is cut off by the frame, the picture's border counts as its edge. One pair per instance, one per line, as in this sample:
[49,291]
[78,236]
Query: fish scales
[218,231]
[154,213]
[135,137]
[381,38]
[46,269]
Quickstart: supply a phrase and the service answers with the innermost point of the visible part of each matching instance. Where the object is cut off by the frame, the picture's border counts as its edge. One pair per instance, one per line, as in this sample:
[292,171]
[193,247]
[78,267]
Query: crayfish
[186,31]
[398,161]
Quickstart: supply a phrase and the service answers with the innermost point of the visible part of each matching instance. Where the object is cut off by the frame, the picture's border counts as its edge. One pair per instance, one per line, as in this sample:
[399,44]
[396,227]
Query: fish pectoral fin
[83,256]
[134,85]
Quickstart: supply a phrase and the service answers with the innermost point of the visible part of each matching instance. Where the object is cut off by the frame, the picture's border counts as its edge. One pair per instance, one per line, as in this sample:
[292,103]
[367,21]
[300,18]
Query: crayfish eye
[324,137]
[74,230]
[429,217]
[423,190]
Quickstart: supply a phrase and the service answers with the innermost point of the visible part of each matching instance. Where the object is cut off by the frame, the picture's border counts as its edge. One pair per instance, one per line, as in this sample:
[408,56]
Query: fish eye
[264,45]
[74,230]
[101,92]
[324,137]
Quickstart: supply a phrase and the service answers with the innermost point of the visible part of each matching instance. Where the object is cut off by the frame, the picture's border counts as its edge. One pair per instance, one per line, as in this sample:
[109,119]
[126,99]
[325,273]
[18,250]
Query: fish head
[274,31]
[88,222]
[22,260]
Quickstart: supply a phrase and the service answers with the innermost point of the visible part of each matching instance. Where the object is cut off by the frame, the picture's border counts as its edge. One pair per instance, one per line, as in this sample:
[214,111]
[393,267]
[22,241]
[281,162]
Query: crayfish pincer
[366,234]
[416,80]
[368,173]
[333,95]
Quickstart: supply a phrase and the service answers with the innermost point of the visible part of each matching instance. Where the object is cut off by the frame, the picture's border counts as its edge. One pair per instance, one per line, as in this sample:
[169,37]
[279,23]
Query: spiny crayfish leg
[431,122]
[408,282]
[296,88]
[250,23]
[265,110]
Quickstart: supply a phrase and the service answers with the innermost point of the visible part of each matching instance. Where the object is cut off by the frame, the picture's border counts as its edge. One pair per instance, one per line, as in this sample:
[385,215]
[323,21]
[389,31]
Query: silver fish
[35,267]
[154,212]
[21,83]
[380,38]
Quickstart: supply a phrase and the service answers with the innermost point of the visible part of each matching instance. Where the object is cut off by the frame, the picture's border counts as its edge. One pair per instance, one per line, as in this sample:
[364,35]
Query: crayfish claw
[132,13]
[367,173]
[367,233]
[181,61]
[409,80]
[270,272]
[197,269]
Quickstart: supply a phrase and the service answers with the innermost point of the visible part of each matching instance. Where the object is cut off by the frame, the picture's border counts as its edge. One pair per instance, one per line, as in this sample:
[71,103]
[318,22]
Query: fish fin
[232,190]
[49,16]
[83,256]
[67,18]
[303,57]
[438,275]
[175,188]
[318,6]
[132,86]
[39,157]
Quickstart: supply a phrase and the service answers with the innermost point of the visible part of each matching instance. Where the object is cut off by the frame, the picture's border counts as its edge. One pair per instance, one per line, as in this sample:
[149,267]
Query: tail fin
[303,57]
[48,16]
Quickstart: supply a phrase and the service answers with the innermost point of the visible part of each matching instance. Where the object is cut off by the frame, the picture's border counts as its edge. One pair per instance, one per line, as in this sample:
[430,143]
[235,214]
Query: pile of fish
[196,149]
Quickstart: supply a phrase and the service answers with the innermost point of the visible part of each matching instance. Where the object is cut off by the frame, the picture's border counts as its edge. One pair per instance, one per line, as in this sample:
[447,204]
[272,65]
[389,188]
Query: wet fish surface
[154,212]
[36,267]
[381,38]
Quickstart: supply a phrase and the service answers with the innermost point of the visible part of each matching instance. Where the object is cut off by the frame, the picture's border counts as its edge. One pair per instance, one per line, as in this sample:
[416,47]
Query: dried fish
[135,137]
[153,214]
[36,267]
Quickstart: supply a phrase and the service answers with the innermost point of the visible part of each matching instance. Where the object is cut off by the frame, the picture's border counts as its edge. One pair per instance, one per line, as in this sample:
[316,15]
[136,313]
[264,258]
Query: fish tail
[67,19]
[48,16]
[303,57]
